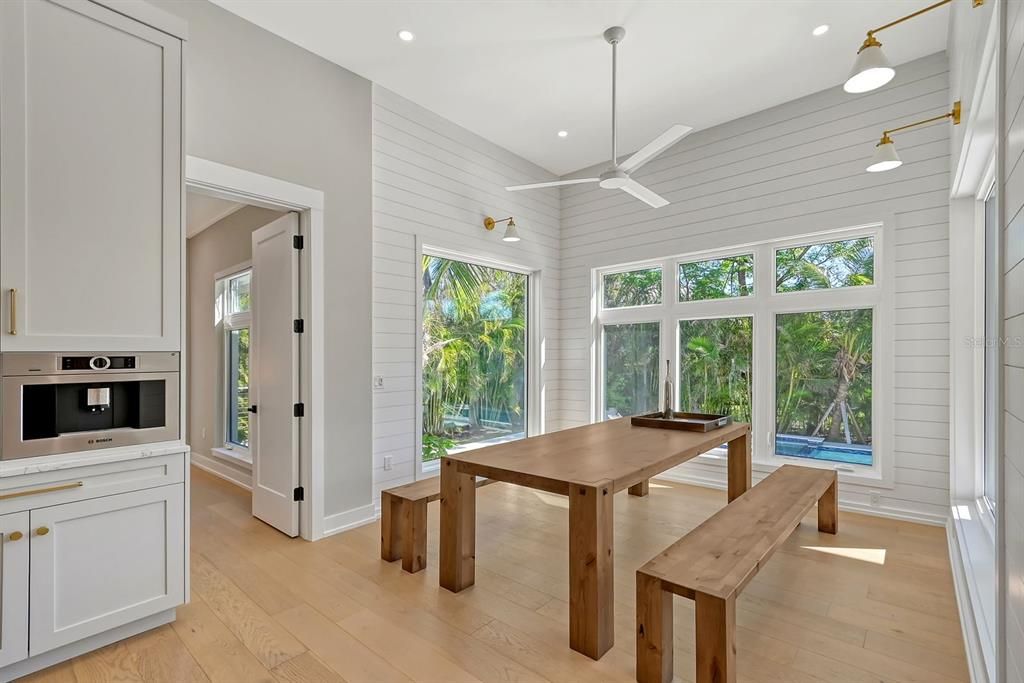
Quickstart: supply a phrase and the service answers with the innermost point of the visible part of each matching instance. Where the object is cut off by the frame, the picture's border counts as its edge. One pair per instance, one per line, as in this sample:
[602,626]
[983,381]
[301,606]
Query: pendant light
[871,70]
[885,157]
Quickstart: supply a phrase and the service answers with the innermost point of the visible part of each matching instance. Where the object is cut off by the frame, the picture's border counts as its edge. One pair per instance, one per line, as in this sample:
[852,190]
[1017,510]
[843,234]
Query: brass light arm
[871,41]
[954,114]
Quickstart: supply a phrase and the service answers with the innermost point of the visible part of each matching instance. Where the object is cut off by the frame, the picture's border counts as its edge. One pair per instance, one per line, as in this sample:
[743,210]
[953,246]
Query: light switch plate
[378,381]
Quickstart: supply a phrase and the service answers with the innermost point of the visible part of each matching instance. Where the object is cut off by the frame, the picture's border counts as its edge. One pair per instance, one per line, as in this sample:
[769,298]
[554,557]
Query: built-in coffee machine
[66,402]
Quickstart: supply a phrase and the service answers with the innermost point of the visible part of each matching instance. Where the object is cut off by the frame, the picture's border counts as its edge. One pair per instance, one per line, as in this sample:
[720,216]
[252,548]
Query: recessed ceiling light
[406,35]
[820,30]
[563,133]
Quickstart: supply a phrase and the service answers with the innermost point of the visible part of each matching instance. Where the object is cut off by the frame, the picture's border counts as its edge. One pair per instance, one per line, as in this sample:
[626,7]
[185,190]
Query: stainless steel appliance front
[54,403]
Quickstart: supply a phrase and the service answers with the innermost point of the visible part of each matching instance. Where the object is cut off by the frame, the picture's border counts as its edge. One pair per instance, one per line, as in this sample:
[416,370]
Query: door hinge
[299,410]
[298,495]
[297,241]
[298,326]
[252,409]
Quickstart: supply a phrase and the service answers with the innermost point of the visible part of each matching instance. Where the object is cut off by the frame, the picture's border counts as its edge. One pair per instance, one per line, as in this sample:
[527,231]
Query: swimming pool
[816,448]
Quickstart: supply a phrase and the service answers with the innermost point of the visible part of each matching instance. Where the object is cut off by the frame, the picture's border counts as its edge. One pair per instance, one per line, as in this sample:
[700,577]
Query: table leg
[458,528]
[591,565]
[641,489]
[739,466]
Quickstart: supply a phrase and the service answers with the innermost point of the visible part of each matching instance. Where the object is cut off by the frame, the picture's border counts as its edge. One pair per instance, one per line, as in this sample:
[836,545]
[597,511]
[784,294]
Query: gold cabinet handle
[14,311]
[48,489]
[42,531]
[15,536]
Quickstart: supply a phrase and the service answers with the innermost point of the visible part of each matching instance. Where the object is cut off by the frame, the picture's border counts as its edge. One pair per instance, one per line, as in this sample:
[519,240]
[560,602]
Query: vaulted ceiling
[516,72]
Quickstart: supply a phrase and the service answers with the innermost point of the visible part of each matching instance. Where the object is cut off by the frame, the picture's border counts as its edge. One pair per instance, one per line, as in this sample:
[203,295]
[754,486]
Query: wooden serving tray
[694,422]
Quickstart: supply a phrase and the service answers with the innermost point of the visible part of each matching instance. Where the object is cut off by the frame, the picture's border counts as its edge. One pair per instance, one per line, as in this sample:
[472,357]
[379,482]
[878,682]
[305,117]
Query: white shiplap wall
[1013,353]
[435,182]
[791,170]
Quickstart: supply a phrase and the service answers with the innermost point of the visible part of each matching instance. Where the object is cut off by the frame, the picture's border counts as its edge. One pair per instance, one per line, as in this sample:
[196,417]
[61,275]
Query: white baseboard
[350,519]
[888,513]
[80,647]
[223,469]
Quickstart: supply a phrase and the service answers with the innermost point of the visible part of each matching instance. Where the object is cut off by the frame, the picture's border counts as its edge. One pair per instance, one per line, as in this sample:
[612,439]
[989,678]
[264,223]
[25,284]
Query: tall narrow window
[991,351]
[631,379]
[474,354]
[823,385]
[715,358]
[234,307]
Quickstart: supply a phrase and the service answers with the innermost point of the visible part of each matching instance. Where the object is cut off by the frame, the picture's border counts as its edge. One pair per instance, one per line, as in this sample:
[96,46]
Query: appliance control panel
[97,362]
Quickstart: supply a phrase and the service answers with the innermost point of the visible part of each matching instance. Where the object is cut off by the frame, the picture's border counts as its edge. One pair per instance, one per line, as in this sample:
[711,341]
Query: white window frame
[762,306]
[227,322]
[534,344]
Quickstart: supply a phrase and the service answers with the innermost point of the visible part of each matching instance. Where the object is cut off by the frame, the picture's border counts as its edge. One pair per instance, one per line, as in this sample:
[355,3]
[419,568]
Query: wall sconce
[886,158]
[872,69]
[511,233]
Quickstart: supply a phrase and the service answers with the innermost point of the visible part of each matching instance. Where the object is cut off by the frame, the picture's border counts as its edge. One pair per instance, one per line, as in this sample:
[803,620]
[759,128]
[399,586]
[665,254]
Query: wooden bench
[715,561]
[403,521]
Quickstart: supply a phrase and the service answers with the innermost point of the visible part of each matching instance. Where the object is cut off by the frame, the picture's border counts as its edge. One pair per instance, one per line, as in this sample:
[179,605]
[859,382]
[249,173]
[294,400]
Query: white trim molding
[350,519]
[228,182]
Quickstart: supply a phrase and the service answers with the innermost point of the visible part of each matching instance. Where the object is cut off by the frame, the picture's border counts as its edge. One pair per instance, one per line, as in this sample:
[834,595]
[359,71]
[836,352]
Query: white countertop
[49,463]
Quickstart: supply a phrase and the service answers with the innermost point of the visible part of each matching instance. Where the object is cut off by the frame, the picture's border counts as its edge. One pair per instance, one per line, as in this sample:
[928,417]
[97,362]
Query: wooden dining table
[588,464]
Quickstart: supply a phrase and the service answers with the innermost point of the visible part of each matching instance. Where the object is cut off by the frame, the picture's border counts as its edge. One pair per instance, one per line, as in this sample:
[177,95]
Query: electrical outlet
[378,381]
[387,461]
[875,497]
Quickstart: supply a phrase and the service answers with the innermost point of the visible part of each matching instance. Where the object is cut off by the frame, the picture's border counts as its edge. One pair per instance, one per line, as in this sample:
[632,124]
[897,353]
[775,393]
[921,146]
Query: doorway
[250,411]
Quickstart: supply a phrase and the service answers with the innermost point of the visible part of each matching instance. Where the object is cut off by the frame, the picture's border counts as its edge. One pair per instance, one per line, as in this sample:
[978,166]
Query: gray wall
[1012,494]
[224,244]
[258,102]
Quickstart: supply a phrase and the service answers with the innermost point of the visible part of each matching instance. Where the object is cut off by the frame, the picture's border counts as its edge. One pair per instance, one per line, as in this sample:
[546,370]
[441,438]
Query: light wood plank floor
[873,604]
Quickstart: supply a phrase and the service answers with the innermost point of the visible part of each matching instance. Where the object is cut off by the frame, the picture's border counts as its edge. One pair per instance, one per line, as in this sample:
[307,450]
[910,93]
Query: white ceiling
[202,211]
[516,72]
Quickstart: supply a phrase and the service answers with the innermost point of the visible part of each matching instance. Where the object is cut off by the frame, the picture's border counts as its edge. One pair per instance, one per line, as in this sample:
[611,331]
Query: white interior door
[274,374]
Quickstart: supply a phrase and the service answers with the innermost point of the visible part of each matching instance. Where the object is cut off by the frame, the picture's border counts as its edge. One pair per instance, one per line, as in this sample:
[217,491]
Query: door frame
[236,184]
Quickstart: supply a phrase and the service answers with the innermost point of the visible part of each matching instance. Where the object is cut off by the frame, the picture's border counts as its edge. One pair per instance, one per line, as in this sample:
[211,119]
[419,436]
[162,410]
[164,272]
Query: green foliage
[823,360]
[715,366]
[849,263]
[632,288]
[631,368]
[239,358]
[474,350]
[435,447]
[717,278]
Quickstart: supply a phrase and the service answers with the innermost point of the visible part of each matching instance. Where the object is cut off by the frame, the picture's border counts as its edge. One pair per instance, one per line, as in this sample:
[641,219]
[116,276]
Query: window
[716,279]
[474,355]
[632,288]
[849,263]
[804,313]
[823,385]
[715,359]
[991,350]
[234,311]
[631,368]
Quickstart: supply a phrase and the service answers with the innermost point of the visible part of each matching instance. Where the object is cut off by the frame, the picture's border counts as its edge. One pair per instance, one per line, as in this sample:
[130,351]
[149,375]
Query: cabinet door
[13,588]
[90,170]
[104,562]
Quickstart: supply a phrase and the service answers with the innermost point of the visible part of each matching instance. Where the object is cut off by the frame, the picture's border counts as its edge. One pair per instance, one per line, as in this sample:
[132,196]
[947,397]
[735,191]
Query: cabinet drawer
[42,489]
[101,563]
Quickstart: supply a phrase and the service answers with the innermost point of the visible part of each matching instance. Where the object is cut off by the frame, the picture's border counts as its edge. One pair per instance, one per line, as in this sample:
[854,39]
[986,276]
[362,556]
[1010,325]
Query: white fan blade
[643,194]
[655,147]
[553,183]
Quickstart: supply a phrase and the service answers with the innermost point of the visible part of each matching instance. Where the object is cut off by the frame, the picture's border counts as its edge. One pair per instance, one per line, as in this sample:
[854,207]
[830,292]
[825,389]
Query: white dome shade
[885,157]
[511,233]
[871,70]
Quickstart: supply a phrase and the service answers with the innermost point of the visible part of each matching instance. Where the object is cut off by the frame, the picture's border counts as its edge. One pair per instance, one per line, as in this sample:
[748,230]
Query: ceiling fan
[617,177]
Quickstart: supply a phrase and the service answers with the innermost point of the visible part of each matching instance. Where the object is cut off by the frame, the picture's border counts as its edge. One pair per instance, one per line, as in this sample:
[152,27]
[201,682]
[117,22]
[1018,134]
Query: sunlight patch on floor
[872,555]
[552,500]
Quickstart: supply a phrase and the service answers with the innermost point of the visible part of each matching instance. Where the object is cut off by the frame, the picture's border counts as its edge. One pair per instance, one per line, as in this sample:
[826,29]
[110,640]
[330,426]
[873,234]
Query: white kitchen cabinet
[13,587]
[104,562]
[91,175]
